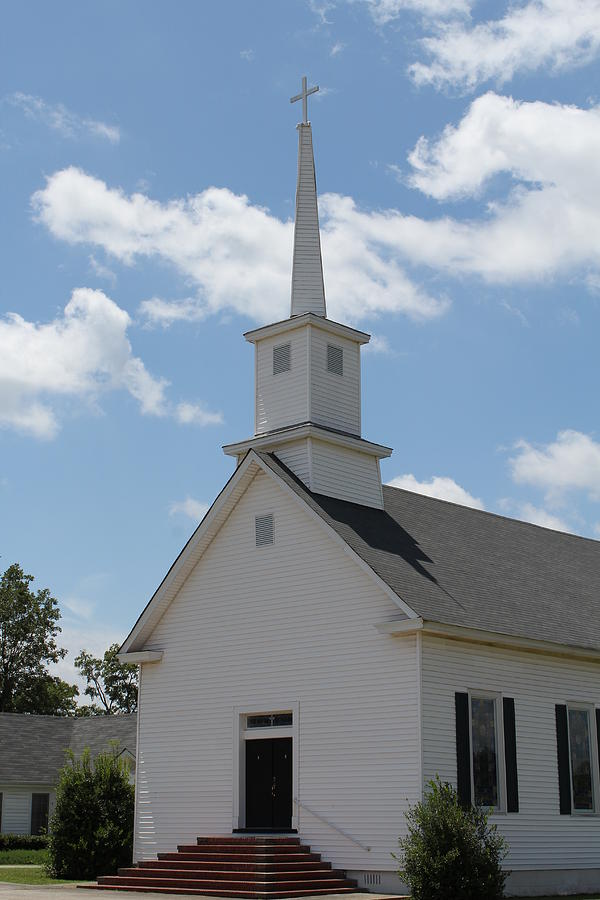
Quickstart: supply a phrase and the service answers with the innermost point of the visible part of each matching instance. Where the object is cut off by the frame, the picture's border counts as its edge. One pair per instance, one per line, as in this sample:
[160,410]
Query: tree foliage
[28,632]
[91,830]
[451,851]
[111,683]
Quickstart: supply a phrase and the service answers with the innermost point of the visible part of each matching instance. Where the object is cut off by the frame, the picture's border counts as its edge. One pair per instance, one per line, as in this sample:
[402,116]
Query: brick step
[204,875]
[263,887]
[209,856]
[246,839]
[226,865]
[242,895]
[247,847]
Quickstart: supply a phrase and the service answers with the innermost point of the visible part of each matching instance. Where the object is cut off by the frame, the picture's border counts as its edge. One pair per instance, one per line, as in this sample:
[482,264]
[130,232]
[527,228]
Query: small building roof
[33,747]
[461,566]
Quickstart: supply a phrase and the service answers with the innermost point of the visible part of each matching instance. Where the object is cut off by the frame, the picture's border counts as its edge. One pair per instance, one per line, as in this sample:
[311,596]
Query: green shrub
[91,832]
[451,851]
[23,841]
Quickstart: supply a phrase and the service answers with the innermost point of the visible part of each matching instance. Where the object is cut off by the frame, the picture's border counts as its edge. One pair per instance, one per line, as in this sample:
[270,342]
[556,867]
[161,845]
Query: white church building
[325,644]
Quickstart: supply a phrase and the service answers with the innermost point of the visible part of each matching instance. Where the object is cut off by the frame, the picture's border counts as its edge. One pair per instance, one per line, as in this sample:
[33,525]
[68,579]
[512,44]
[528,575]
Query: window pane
[581,768]
[485,770]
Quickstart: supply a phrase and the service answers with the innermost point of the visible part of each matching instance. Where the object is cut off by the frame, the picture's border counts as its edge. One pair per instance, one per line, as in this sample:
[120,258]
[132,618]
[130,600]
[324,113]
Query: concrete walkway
[70,892]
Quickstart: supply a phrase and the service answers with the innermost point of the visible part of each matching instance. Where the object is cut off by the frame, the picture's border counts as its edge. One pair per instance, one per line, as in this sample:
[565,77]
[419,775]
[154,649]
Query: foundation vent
[282,358]
[264,530]
[371,879]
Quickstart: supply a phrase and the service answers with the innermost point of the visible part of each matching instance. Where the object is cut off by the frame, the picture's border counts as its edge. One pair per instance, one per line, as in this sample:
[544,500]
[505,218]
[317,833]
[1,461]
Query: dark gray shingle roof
[32,748]
[461,566]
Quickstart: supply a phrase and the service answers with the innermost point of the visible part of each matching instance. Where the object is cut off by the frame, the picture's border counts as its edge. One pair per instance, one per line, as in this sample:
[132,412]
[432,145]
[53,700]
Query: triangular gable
[215,518]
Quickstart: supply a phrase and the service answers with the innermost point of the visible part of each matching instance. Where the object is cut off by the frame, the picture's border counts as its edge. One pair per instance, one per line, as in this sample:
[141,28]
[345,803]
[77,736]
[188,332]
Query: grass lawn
[23,857]
[35,875]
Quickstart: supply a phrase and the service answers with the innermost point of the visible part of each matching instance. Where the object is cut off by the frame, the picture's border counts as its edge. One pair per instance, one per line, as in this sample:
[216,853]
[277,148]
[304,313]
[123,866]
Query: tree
[28,631]
[451,851]
[112,683]
[91,831]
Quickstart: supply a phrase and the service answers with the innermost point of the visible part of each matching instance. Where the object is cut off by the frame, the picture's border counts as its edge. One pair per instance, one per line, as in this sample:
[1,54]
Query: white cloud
[101,270]
[337,48]
[81,354]
[247,55]
[237,254]
[82,609]
[93,636]
[385,11]
[164,312]
[558,34]
[63,120]
[442,487]
[539,516]
[548,223]
[193,509]
[196,414]
[569,463]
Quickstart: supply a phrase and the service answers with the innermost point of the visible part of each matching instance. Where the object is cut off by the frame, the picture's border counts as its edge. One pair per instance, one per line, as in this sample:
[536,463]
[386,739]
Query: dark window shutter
[510,755]
[598,735]
[463,749]
[39,813]
[562,747]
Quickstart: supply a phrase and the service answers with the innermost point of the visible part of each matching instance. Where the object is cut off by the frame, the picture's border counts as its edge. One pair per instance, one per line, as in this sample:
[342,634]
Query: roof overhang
[335,328]
[482,636]
[142,656]
[273,439]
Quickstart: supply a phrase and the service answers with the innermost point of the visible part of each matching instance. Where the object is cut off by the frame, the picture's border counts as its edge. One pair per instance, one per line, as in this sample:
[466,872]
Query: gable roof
[460,566]
[33,747]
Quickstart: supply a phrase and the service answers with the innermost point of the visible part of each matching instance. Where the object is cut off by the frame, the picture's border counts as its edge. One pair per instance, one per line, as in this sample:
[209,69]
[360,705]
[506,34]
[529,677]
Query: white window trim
[500,761]
[241,734]
[590,708]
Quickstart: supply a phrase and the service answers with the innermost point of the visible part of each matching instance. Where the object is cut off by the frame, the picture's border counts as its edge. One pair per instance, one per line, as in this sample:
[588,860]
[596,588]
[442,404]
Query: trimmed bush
[91,832]
[23,841]
[451,851]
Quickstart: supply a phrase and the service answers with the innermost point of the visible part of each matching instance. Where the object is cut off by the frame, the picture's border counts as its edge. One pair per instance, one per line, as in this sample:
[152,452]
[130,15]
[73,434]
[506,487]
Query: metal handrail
[331,825]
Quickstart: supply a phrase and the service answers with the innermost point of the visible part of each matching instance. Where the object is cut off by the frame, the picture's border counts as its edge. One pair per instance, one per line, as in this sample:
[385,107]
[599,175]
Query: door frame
[241,734]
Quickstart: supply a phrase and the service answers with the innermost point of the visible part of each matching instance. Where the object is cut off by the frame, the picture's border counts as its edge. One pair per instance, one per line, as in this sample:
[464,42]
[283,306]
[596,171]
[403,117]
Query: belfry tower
[307,369]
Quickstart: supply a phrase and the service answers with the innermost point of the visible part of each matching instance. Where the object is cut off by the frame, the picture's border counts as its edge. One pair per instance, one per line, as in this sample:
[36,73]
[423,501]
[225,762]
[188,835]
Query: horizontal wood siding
[335,399]
[347,474]
[282,399]
[539,837]
[16,806]
[295,456]
[288,623]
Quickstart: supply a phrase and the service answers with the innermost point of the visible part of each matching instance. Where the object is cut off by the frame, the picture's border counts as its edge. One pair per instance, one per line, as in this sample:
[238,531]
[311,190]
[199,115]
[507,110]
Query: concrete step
[243,847]
[211,856]
[242,895]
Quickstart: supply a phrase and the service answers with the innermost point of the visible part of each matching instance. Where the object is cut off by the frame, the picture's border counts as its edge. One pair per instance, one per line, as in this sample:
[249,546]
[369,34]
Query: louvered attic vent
[282,358]
[264,530]
[335,359]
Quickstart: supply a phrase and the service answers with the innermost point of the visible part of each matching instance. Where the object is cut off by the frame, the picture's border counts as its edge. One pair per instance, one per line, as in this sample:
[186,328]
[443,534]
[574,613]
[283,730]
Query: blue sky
[147,171]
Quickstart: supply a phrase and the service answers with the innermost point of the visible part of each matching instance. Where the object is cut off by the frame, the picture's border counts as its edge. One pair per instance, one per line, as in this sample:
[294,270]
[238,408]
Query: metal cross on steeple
[304,95]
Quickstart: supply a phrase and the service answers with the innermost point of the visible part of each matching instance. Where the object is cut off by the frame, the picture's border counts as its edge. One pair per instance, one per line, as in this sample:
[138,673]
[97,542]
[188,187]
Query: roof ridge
[496,515]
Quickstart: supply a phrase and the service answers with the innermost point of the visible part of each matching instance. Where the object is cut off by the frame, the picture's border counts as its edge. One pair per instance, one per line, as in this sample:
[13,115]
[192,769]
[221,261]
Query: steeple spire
[308,290]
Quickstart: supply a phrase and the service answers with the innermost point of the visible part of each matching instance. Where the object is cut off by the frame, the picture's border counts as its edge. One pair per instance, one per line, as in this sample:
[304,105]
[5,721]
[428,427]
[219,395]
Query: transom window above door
[269,720]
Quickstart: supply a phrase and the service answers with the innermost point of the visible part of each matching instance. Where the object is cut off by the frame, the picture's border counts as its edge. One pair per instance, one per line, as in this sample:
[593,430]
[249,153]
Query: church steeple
[308,291]
[307,370]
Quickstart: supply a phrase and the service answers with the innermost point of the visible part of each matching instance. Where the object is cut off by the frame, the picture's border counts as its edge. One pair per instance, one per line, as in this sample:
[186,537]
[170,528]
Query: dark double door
[269,783]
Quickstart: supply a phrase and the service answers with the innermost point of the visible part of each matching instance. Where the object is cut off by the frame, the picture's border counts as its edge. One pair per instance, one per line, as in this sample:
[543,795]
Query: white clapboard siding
[281,399]
[539,837]
[347,474]
[16,806]
[290,623]
[335,399]
[295,455]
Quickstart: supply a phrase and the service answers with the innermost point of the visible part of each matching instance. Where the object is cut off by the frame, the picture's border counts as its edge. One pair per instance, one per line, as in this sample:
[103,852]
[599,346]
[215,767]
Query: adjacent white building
[324,645]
